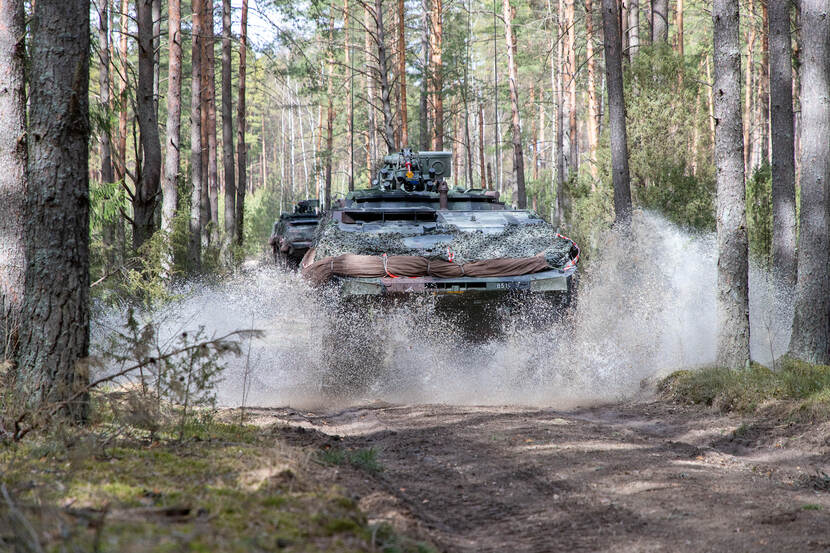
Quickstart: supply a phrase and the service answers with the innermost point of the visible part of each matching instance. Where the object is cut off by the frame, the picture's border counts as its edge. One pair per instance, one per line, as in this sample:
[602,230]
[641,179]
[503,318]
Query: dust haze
[644,307]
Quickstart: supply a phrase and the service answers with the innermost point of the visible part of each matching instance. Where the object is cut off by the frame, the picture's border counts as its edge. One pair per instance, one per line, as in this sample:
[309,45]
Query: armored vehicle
[411,237]
[293,232]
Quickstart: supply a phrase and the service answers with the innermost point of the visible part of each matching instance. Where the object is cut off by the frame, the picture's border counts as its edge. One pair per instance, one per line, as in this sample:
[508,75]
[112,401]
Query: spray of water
[646,307]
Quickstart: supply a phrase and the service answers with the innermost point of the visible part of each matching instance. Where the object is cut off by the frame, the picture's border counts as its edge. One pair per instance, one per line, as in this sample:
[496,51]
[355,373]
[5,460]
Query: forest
[148,149]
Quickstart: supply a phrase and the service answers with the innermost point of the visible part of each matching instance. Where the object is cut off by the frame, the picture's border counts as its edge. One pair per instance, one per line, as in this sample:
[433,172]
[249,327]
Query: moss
[804,386]
[194,496]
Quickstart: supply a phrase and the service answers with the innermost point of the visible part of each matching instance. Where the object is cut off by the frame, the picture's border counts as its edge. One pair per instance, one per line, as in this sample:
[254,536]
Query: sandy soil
[644,476]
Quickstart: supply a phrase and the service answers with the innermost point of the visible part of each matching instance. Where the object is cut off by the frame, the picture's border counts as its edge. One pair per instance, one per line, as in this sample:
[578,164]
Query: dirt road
[636,477]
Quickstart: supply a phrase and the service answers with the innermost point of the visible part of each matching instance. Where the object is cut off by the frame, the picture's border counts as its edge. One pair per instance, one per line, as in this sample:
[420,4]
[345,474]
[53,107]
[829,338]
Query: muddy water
[647,306]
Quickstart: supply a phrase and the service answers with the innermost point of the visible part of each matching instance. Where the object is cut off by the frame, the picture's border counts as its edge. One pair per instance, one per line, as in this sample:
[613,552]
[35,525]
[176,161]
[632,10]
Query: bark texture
[810,339]
[54,333]
[733,289]
[210,106]
[170,185]
[783,144]
[241,150]
[383,78]
[402,73]
[593,105]
[424,104]
[659,21]
[227,124]
[436,73]
[147,192]
[515,122]
[12,173]
[616,112]
[633,28]
[194,251]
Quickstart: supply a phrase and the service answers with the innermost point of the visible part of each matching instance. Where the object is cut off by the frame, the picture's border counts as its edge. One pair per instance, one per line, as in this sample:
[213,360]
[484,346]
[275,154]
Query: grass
[804,387]
[229,488]
[363,459]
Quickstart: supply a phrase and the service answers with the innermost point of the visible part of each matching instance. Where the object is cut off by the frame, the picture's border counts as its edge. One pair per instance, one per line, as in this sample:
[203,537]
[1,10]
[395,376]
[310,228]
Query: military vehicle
[293,233]
[411,237]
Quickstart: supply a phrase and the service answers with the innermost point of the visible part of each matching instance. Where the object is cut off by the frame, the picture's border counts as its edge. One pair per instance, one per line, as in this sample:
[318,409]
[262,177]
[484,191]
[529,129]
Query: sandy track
[638,477]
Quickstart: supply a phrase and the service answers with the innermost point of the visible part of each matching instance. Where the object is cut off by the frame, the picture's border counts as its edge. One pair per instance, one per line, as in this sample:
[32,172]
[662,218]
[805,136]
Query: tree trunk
[330,112]
[749,97]
[436,74]
[227,124]
[402,73]
[783,151]
[123,100]
[13,177]
[763,86]
[349,103]
[560,119]
[481,145]
[810,339]
[573,132]
[174,115]
[425,79]
[241,148]
[534,132]
[156,14]
[383,77]
[371,68]
[148,190]
[659,21]
[616,112]
[679,24]
[54,333]
[593,104]
[733,292]
[633,28]
[516,123]
[194,250]
[105,140]
[212,169]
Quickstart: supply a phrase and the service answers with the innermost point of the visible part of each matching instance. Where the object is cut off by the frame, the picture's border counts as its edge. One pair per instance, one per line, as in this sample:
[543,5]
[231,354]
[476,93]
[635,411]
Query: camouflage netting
[515,241]
[517,250]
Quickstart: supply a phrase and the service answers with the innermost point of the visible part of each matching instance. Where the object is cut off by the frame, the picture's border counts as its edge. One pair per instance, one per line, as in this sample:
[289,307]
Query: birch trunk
[810,339]
[733,292]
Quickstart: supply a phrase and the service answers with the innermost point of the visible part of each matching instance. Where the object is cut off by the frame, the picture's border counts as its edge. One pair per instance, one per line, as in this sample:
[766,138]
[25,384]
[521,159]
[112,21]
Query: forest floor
[644,476]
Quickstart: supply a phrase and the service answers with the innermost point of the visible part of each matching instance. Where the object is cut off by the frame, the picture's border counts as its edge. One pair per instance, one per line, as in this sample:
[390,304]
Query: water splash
[647,306]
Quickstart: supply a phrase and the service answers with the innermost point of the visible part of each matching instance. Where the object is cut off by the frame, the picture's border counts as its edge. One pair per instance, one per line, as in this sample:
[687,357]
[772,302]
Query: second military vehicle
[293,233]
